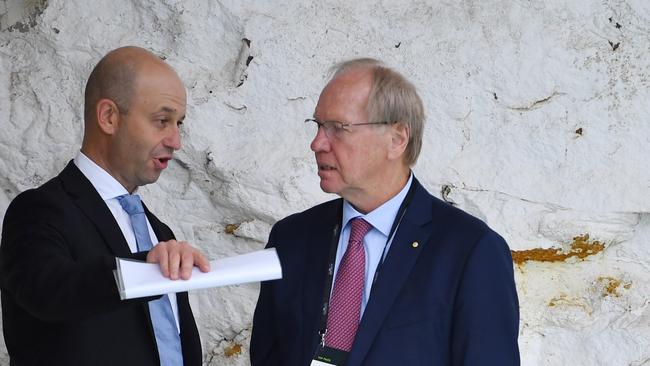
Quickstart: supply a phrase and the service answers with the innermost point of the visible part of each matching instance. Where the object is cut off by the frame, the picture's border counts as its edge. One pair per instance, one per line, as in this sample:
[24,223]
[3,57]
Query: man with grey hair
[387,274]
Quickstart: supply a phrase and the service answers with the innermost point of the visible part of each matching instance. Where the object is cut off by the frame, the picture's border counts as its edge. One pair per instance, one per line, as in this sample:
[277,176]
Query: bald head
[115,78]
[135,104]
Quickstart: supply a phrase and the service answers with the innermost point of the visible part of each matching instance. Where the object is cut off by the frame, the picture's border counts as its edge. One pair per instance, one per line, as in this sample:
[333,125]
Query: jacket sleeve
[264,335]
[42,274]
[486,316]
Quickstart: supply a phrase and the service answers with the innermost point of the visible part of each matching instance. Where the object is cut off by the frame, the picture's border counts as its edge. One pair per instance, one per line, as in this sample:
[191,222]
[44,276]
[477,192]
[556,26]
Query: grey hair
[392,99]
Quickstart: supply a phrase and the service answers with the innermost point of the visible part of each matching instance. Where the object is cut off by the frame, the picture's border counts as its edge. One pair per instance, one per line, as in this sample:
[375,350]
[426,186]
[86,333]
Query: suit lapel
[416,226]
[90,202]
[317,251]
[86,197]
[157,226]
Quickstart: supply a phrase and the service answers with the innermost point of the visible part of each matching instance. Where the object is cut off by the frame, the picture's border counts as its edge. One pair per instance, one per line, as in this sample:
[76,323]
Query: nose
[321,142]
[173,140]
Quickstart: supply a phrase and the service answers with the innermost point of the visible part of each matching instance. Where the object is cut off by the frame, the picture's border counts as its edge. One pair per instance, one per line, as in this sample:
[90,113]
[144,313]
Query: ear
[108,116]
[400,134]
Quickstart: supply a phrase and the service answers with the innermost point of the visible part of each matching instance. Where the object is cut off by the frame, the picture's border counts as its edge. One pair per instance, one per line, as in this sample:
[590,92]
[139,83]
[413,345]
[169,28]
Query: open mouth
[325,167]
[161,163]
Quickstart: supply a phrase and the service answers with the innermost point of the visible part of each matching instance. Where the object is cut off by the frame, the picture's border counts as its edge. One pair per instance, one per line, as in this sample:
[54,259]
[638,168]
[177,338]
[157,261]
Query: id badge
[330,356]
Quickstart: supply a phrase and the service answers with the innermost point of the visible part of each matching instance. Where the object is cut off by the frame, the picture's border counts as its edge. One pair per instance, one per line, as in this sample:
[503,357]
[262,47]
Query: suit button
[415,244]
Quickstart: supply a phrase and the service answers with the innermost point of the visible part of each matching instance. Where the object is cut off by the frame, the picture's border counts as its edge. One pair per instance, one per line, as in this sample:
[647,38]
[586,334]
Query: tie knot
[360,228]
[131,203]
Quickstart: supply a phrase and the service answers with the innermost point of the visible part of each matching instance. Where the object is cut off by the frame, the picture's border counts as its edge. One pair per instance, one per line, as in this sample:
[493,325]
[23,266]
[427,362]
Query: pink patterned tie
[345,307]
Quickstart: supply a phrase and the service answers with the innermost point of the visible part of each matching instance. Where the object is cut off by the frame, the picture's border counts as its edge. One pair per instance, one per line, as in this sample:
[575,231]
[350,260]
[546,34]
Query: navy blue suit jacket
[449,301]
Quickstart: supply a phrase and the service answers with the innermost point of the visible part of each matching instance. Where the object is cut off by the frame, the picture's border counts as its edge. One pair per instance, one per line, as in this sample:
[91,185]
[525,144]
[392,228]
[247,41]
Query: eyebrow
[165,109]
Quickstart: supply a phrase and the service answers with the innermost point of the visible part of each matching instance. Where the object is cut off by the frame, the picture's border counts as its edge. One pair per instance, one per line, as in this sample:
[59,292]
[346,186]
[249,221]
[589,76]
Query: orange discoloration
[611,286]
[230,228]
[232,350]
[581,248]
[564,300]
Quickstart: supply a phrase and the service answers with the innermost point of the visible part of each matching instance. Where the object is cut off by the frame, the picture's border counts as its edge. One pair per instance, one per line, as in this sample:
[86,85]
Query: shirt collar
[104,183]
[382,217]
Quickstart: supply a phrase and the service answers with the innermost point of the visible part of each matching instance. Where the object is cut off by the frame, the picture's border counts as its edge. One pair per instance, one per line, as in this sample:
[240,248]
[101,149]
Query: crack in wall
[244,59]
[448,187]
[536,104]
[445,190]
[237,108]
[229,347]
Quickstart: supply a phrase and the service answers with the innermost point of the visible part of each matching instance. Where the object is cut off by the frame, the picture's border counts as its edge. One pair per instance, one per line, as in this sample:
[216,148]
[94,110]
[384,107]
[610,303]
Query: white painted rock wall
[537,123]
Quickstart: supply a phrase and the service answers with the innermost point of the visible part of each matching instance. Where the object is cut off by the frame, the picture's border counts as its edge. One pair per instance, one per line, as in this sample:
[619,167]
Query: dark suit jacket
[449,301]
[60,304]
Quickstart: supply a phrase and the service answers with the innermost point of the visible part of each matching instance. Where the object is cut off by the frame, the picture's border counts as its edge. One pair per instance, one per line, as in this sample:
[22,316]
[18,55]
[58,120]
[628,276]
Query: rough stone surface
[537,123]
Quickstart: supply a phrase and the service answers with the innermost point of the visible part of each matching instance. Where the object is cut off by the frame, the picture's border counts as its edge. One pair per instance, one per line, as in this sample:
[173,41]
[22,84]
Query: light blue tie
[162,317]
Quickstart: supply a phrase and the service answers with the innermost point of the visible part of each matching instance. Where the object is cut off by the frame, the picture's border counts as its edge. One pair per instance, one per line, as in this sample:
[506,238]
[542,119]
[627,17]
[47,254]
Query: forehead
[345,96]
[160,88]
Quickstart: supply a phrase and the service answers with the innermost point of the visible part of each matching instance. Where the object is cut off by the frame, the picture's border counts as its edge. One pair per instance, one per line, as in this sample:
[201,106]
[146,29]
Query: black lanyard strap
[332,259]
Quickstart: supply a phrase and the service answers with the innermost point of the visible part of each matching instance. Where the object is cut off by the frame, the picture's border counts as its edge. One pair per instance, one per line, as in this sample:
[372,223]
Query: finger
[201,261]
[174,261]
[152,256]
[187,263]
[161,255]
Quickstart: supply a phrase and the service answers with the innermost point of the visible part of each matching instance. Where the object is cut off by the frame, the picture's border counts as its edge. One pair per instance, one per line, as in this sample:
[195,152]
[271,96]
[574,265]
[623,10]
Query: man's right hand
[177,258]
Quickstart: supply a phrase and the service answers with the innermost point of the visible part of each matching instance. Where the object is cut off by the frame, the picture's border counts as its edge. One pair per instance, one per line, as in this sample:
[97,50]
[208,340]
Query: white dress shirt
[381,219]
[109,189]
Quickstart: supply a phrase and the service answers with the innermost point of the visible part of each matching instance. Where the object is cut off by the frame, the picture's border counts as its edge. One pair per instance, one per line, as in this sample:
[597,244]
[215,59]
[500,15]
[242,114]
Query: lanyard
[332,260]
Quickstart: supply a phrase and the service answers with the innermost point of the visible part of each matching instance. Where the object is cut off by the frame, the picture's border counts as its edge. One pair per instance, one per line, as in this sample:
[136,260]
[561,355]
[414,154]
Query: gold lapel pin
[415,244]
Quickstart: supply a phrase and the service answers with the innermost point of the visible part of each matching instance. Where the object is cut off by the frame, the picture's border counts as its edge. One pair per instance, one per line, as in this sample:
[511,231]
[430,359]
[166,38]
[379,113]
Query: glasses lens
[311,127]
[334,129]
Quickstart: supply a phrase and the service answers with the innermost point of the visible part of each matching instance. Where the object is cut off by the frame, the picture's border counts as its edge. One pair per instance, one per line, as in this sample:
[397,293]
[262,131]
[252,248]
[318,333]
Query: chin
[150,179]
[329,187]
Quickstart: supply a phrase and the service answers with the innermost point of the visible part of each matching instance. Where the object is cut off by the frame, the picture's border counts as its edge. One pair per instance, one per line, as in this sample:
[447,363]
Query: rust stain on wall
[581,247]
[230,228]
[611,286]
[564,300]
[232,350]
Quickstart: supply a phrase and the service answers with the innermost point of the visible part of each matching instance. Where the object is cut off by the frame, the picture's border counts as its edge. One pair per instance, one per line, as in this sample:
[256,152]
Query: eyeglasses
[336,128]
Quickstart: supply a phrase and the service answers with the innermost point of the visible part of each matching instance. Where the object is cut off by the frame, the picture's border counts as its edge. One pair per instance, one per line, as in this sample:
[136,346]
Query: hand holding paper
[177,259]
[138,279]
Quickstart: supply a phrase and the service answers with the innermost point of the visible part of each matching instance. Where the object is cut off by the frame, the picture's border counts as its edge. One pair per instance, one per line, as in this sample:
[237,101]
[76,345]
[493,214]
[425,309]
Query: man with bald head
[387,274]
[60,303]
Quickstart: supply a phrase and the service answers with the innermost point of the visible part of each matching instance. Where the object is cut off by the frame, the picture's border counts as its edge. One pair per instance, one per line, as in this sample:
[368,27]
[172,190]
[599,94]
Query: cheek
[140,155]
[131,144]
[350,162]
[368,160]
